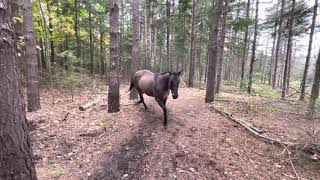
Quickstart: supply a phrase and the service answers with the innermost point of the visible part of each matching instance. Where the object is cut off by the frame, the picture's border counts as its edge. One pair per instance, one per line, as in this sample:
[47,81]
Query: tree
[254,44]
[33,92]
[306,67]
[15,153]
[135,61]
[274,79]
[315,88]
[213,51]
[288,54]
[147,60]
[169,36]
[246,34]
[76,28]
[221,44]
[114,84]
[193,45]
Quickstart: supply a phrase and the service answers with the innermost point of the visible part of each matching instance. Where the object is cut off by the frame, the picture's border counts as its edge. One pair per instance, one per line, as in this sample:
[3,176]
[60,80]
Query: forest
[89,89]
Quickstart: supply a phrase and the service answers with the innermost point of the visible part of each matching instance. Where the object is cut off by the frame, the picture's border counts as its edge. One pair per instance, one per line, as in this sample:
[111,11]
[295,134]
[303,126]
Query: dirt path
[197,144]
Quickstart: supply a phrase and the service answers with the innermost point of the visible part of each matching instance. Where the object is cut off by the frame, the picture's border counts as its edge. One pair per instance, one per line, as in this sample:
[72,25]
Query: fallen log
[309,148]
[86,106]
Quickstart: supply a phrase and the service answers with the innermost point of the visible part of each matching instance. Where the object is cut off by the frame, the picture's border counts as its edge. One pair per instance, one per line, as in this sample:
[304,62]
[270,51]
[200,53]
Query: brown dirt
[132,144]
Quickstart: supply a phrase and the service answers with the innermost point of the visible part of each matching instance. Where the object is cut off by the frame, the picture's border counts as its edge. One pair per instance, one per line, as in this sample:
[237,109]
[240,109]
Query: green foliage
[263,108]
[72,80]
[265,90]
[56,172]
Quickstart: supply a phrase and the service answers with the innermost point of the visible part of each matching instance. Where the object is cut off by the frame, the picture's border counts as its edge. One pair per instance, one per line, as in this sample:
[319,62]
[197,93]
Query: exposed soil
[133,144]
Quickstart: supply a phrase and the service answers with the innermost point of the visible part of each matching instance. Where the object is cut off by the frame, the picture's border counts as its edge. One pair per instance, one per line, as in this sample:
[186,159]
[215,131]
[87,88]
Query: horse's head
[174,81]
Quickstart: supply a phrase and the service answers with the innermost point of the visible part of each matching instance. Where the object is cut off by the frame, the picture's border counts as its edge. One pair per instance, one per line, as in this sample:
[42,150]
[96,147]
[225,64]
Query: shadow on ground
[128,162]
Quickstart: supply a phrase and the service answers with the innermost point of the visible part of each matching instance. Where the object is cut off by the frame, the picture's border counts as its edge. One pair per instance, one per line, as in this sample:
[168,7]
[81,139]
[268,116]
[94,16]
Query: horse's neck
[164,80]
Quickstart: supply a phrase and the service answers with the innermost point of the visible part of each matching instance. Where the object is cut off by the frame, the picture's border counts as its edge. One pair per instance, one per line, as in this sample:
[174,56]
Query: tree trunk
[221,43]
[245,42]
[253,57]
[135,53]
[102,54]
[274,79]
[76,29]
[146,34]
[33,92]
[52,58]
[114,84]
[306,67]
[272,53]
[315,88]
[192,45]
[213,51]
[287,60]
[91,43]
[15,153]
[169,38]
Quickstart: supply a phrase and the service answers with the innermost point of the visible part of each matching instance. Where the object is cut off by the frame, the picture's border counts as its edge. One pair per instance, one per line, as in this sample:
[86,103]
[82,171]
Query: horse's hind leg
[142,100]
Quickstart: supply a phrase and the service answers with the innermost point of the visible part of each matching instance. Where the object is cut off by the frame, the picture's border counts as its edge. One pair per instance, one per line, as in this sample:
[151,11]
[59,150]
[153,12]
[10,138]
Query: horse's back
[144,81]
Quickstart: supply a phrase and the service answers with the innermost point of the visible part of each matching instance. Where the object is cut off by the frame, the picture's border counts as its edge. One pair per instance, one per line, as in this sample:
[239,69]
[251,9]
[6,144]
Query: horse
[157,85]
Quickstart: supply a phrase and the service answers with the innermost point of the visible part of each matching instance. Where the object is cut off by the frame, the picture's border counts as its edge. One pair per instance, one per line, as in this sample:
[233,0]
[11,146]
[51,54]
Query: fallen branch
[310,148]
[294,169]
[86,106]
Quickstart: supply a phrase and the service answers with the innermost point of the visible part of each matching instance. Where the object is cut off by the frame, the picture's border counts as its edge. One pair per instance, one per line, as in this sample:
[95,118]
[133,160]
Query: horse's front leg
[162,103]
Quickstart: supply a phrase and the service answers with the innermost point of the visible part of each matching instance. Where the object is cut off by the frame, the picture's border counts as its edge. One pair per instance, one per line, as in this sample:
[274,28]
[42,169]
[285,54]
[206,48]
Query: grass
[265,91]
[56,172]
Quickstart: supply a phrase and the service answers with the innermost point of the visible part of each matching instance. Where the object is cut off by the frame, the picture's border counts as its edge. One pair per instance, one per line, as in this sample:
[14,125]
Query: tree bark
[274,79]
[135,53]
[192,45]
[315,88]
[253,57]
[33,92]
[288,52]
[213,51]
[91,43]
[76,29]
[246,34]
[113,92]
[169,38]
[102,53]
[272,53]
[52,58]
[306,67]
[15,153]
[221,43]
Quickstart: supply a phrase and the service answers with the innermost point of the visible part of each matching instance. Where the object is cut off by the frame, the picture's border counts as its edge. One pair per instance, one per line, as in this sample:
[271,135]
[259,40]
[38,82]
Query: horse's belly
[146,85]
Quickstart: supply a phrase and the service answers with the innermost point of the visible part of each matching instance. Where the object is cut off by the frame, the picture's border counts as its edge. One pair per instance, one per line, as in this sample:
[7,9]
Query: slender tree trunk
[253,57]
[102,53]
[52,54]
[289,44]
[306,67]
[169,38]
[274,79]
[91,44]
[146,34]
[76,29]
[192,45]
[135,53]
[315,88]
[272,53]
[16,161]
[114,84]
[213,51]
[33,92]
[221,42]
[246,34]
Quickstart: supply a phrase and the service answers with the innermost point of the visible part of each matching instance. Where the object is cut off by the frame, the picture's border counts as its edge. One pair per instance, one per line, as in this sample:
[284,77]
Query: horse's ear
[180,73]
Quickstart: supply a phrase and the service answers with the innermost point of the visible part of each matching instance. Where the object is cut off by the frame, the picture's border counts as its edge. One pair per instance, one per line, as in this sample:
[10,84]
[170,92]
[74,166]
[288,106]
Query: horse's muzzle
[174,96]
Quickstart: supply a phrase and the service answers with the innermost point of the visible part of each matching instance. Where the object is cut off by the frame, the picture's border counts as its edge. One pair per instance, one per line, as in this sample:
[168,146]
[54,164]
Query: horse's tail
[131,84]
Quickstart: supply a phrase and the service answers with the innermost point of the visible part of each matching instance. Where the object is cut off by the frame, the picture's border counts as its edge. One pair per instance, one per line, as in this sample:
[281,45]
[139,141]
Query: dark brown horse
[156,85]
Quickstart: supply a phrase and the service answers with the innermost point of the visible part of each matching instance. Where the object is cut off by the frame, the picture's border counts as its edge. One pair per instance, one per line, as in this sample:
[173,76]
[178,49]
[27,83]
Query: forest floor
[198,143]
